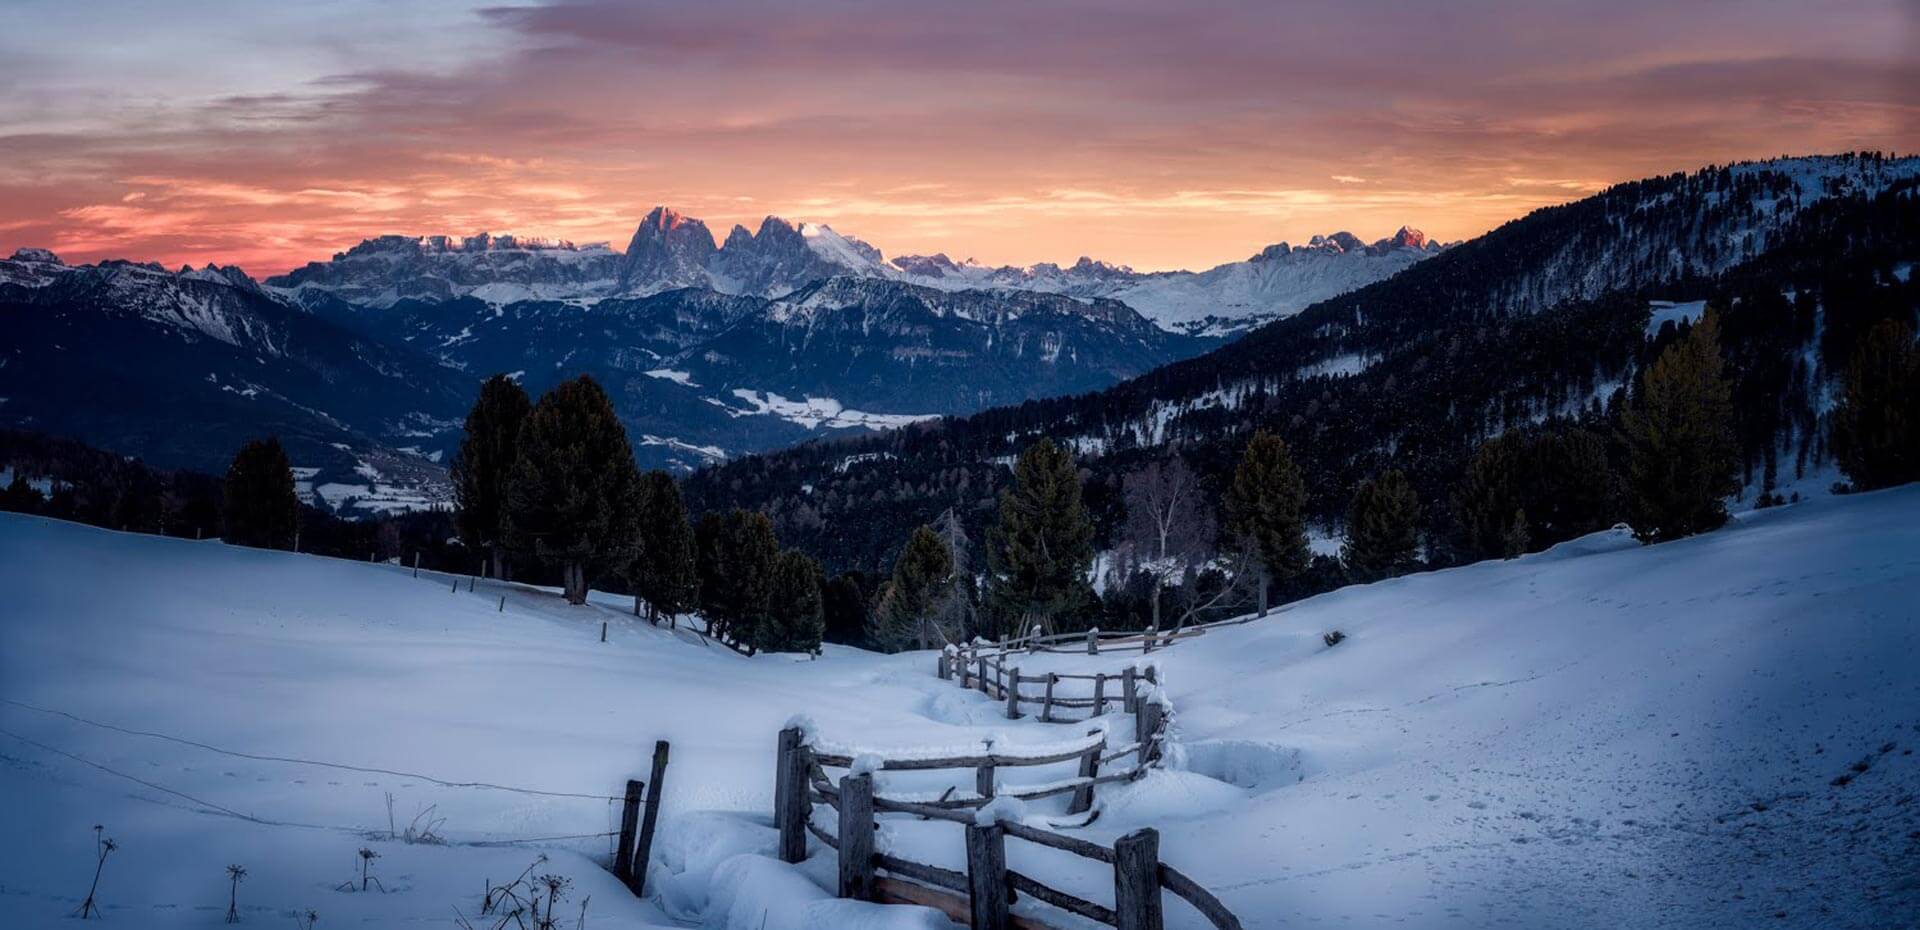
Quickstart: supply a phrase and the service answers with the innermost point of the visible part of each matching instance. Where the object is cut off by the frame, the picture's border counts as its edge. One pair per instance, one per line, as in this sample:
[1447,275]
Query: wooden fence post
[983,781]
[1148,647]
[1013,693]
[629,823]
[1146,727]
[1046,703]
[1093,642]
[790,801]
[856,837]
[1099,694]
[983,679]
[416,563]
[1136,880]
[1089,768]
[966,670]
[987,876]
[945,667]
[1153,674]
[1129,698]
[643,853]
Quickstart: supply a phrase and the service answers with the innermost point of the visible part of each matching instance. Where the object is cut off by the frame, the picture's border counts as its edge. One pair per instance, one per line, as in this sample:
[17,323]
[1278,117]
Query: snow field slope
[1717,732]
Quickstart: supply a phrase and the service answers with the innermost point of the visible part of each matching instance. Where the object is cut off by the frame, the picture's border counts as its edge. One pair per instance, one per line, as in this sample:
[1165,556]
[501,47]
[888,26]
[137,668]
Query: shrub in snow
[366,877]
[234,874]
[102,845]
[1334,638]
[1000,810]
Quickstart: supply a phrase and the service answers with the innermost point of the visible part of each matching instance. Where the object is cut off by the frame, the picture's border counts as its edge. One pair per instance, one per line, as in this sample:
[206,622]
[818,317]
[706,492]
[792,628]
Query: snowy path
[1718,732]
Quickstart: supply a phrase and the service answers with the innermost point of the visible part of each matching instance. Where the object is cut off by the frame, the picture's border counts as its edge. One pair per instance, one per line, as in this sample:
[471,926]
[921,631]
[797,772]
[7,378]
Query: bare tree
[1169,523]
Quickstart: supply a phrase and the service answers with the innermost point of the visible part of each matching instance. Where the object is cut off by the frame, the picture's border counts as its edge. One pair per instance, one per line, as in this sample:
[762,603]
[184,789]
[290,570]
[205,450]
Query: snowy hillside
[1717,732]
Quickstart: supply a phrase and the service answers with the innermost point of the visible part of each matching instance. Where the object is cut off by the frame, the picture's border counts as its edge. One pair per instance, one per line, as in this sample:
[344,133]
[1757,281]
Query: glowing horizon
[236,133]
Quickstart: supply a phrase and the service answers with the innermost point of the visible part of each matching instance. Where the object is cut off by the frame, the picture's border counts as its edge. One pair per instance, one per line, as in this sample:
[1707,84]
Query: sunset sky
[1157,134]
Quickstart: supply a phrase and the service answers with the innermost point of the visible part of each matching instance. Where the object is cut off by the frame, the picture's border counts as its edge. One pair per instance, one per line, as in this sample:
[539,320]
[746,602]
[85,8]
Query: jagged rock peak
[45,256]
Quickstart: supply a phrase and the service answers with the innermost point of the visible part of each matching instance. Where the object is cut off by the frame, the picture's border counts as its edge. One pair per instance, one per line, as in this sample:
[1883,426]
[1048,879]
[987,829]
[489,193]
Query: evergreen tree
[572,494]
[1558,476]
[1682,458]
[796,613]
[1515,540]
[1263,507]
[921,583]
[1876,429]
[738,555]
[479,470]
[844,606]
[1383,528]
[664,573]
[261,509]
[21,497]
[1042,549]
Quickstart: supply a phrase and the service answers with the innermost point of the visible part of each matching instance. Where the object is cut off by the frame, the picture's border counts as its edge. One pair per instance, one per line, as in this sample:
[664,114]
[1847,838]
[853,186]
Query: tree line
[553,483]
[1664,462]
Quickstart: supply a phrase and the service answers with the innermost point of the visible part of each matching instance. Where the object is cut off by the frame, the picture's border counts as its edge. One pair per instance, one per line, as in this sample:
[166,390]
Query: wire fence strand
[370,770]
[266,821]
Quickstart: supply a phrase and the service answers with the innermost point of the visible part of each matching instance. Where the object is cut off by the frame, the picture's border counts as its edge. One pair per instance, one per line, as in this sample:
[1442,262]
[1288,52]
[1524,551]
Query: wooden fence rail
[997,679]
[984,893]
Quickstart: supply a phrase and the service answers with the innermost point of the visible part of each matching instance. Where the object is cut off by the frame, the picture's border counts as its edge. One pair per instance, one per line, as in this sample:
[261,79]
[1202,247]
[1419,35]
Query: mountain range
[669,251]
[363,364]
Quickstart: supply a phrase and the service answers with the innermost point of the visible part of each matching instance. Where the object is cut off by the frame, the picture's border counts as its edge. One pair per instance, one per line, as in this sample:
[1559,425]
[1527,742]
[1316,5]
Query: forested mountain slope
[1547,316]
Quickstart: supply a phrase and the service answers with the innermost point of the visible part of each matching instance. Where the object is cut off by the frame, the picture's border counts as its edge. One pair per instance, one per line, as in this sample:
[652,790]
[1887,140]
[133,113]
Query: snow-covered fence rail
[997,678]
[983,894]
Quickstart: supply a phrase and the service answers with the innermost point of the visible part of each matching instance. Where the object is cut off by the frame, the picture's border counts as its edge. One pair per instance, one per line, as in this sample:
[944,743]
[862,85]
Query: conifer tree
[1876,429]
[261,508]
[1383,528]
[1559,477]
[1263,506]
[21,497]
[796,620]
[736,571]
[664,573]
[921,582]
[572,495]
[1682,458]
[844,605]
[479,470]
[1041,551]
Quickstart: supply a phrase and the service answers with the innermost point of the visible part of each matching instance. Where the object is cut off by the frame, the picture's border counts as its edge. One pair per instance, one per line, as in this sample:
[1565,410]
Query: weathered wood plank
[1202,900]
[1060,899]
[629,823]
[1089,769]
[987,877]
[921,872]
[790,802]
[1136,881]
[856,837]
[650,817]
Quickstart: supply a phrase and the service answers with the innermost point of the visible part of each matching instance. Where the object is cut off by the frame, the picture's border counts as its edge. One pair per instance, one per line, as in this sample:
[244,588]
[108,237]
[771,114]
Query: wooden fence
[984,893]
[995,676]
[639,814]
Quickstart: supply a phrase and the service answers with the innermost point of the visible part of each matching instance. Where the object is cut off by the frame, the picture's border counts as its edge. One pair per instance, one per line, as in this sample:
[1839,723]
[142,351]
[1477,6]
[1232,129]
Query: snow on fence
[983,893]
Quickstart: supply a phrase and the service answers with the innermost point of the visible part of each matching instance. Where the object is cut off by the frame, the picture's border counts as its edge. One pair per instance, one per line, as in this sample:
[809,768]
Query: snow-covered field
[1717,732]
